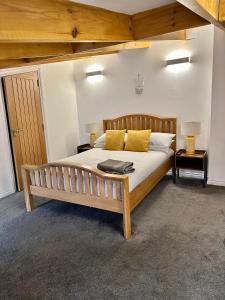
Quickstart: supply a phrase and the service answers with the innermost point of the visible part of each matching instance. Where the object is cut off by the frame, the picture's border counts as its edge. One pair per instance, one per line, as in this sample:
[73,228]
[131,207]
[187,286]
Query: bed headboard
[141,122]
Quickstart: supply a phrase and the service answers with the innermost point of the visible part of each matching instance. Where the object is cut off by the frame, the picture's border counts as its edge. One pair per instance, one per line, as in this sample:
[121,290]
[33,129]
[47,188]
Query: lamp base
[93,138]
[190,145]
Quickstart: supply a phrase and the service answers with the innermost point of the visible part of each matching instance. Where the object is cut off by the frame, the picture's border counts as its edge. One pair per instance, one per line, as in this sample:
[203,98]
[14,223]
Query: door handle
[15,132]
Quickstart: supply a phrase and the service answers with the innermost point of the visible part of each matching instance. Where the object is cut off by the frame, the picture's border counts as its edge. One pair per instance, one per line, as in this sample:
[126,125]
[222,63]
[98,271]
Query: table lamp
[190,130]
[92,128]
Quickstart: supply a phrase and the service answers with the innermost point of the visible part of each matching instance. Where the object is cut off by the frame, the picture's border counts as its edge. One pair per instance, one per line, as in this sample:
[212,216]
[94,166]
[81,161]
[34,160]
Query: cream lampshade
[190,130]
[93,129]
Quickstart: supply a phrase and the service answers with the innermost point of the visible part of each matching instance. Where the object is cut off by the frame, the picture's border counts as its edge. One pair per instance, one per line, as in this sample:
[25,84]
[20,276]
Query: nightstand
[84,147]
[197,161]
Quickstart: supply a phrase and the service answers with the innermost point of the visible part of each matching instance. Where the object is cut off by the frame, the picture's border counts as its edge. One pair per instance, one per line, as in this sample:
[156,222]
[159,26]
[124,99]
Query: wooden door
[25,121]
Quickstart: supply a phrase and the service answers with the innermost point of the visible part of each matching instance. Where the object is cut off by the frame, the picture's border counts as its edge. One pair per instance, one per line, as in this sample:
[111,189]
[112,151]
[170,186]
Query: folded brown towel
[116,166]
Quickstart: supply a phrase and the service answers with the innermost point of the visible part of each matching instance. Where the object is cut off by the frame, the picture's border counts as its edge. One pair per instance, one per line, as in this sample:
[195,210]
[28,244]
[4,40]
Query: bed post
[126,210]
[26,186]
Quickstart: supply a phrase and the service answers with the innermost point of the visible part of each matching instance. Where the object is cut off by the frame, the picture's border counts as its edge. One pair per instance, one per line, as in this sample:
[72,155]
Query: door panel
[25,121]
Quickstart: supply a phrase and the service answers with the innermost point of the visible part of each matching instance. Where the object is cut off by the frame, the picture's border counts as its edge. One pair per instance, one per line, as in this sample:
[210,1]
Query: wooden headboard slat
[143,121]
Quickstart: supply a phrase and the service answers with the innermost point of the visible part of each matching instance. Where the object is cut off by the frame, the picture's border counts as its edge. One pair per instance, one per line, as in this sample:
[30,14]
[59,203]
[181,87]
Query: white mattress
[145,163]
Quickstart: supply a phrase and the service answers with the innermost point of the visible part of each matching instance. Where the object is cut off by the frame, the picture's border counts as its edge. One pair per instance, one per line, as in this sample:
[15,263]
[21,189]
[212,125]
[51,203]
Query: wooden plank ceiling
[45,31]
[211,10]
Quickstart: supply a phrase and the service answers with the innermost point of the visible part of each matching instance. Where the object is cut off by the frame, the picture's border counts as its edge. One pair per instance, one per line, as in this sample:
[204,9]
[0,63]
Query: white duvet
[145,163]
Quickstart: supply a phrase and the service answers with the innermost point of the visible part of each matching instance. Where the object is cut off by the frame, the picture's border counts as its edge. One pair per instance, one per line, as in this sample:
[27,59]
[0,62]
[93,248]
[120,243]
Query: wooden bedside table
[197,161]
[84,147]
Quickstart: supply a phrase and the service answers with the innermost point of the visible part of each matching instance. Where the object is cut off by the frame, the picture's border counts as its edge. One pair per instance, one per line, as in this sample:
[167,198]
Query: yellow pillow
[138,140]
[114,139]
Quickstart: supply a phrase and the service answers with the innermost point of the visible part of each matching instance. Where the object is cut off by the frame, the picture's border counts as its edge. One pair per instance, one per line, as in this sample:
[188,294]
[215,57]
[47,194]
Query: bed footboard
[82,185]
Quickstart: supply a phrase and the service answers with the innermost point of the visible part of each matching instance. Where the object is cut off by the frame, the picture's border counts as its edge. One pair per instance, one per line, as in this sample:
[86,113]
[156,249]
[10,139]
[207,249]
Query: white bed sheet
[145,163]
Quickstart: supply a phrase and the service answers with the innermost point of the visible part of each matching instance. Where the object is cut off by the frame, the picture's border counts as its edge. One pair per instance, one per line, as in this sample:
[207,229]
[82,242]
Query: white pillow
[161,139]
[159,148]
[99,143]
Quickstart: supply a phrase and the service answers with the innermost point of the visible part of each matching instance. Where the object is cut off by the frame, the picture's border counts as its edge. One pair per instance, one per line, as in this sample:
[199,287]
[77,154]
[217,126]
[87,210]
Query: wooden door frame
[17,71]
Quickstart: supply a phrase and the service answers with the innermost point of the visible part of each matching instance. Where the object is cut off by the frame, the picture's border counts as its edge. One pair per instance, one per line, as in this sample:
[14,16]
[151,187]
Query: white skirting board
[215,182]
[5,194]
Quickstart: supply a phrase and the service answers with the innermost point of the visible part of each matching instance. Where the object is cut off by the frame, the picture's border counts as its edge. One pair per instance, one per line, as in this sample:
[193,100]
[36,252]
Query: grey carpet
[65,251]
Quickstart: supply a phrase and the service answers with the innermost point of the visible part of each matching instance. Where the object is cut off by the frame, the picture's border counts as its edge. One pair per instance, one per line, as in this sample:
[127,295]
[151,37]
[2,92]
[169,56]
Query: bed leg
[27,193]
[127,225]
[174,171]
[126,212]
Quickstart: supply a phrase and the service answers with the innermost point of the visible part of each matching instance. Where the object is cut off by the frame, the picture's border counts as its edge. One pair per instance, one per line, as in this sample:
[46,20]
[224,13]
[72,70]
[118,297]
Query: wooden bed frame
[91,187]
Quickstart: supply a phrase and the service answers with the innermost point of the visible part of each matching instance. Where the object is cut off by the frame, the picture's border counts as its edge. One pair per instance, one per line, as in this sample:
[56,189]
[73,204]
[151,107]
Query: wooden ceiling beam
[208,10]
[125,46]
[10,51]
[14,63]
[70,57]
[9,63]
[60,21]
[222,12]
[211,10]
[165,19]
[80,47]
[30,50]
[58,30]
[177,35]
[101,51]
[212,7]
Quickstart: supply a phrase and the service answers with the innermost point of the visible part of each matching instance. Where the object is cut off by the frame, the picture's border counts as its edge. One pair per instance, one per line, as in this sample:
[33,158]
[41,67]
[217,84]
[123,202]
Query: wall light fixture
[94,73]
[176,61]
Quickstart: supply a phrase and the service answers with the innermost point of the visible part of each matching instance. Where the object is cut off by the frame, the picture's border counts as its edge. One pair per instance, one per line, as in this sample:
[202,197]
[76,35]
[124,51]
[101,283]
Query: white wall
[185,95]
[7,183]
[60,109]
[217,139]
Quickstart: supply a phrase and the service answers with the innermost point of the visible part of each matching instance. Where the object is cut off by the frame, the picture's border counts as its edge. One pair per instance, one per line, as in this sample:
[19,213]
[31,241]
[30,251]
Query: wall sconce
[139,84]
[94,73]
[176,61]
